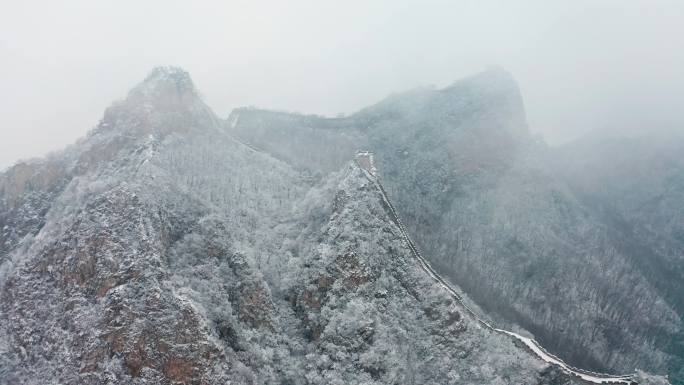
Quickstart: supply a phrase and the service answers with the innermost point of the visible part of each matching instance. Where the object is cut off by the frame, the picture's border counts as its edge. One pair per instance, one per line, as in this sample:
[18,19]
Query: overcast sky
[581,65]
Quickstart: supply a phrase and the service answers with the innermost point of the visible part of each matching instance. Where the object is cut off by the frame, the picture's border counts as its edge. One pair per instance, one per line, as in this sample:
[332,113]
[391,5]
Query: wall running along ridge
[364,161]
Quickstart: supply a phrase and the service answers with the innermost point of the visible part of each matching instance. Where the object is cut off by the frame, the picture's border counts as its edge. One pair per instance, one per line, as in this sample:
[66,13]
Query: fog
[582,66]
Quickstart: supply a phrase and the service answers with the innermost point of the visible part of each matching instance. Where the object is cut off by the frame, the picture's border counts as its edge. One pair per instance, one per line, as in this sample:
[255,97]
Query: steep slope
[480,198]
[636,184]
[161,250]
[368,307]
[134,275]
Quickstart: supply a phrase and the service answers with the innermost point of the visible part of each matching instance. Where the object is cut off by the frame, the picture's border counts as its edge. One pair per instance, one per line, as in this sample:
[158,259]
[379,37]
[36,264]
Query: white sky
[582,65]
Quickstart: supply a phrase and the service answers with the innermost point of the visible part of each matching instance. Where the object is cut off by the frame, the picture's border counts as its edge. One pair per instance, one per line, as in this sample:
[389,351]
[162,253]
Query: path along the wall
[531,344]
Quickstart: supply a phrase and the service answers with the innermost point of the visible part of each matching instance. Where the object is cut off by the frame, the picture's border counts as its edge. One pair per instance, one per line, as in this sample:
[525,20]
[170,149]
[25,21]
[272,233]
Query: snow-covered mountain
[163,249]
[492,210]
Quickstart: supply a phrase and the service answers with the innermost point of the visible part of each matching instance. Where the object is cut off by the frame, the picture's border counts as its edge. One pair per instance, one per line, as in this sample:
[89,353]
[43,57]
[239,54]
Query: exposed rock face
[485,202]
[161,250]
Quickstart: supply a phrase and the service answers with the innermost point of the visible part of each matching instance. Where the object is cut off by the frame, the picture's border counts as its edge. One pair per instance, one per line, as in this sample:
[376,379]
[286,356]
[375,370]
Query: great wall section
[365,161]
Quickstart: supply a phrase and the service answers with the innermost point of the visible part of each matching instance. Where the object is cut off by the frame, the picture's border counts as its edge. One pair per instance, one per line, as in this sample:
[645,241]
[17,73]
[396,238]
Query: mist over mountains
[538,235]
[174,246]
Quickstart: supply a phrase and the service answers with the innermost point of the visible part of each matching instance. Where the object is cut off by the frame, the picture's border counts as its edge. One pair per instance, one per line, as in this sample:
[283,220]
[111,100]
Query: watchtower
[365,160]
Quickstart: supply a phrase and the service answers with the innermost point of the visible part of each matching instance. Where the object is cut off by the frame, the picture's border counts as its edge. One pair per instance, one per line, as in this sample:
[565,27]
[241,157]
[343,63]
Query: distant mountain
[162,249]
[500,213]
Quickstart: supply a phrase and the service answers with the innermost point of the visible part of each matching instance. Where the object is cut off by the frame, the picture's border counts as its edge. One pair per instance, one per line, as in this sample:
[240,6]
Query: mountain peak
[496,90]
[165,101]
[169,74]
[490,76]
[166,80]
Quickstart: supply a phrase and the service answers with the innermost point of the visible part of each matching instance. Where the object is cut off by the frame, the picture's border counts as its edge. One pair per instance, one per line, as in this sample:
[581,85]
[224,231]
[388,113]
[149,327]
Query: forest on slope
[586,255]
[161,249]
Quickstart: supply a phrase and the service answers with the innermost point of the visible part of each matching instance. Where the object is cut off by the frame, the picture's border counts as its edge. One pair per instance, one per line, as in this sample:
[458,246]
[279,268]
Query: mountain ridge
[481,196]
[166,251]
